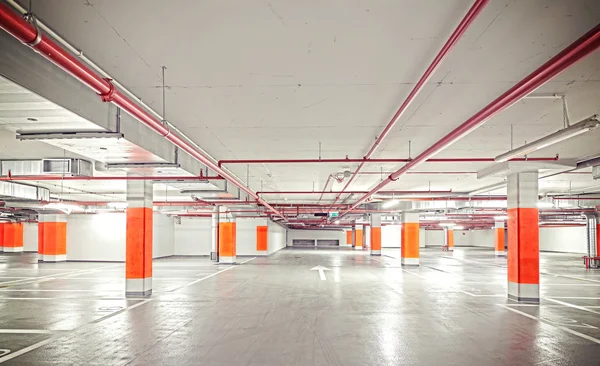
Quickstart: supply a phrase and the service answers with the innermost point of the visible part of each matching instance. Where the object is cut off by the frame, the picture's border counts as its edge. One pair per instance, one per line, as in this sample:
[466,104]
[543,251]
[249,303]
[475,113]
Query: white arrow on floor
[321,270]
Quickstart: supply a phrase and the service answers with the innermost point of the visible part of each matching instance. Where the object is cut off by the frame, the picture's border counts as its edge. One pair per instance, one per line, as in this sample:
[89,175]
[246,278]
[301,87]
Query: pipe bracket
[30,18]
[109,95]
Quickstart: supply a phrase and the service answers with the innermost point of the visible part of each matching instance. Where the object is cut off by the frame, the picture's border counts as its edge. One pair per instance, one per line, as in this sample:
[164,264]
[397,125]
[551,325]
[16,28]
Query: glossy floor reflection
[452,310]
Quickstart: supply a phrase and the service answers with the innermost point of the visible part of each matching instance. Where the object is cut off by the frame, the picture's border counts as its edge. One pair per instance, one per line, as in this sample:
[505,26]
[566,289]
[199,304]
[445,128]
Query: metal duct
[60,166]
[10,190]
[591,222]
[596,172]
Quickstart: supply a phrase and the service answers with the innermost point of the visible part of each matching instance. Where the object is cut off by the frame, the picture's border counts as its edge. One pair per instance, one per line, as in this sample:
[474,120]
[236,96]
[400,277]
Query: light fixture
[66,208]
[449,225]
[336,222]
[117,205]
[545,204]
[390,203]
[459,227]
[501,217]
[578,128]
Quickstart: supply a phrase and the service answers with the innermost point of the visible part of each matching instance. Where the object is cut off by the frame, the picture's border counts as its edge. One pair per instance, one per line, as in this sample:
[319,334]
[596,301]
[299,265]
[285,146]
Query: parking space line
[209,276]
[584,336]
[26,331]
[572,305]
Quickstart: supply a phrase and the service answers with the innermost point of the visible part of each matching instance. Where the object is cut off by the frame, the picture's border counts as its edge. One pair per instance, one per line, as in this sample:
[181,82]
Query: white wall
[422,238]
[391,236]
[316,234]
[564,239]
[163,244]
[30,236]
[193,236]
[462,238]
[483,238]
[246,236]
[99,237]
[276,237]
[434,237]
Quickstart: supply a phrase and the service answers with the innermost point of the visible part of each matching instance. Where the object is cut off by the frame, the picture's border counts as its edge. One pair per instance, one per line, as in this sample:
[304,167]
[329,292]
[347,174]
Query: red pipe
[352,192]
[12,23]
[50,177]
[374,161]
[569,56]
[448,46]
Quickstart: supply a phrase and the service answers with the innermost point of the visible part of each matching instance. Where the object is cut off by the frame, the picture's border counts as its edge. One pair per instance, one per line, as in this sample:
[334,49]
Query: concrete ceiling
[273,79]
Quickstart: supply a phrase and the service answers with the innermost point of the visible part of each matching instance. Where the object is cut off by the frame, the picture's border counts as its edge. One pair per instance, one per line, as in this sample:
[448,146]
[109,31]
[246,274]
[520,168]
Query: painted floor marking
[209,276]
[568,330]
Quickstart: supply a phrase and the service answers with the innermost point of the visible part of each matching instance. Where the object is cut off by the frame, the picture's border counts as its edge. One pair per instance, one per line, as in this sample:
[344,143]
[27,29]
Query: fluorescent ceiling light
[447,224]
[117,205]
[544,204]
[502,217]
[336,222]
[459,227]
[390,203]
[578,128]
[66,208]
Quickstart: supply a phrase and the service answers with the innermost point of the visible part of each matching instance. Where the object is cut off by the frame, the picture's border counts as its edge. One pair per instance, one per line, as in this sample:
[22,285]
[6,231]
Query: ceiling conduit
[32,37]
[448,46]
[579,49]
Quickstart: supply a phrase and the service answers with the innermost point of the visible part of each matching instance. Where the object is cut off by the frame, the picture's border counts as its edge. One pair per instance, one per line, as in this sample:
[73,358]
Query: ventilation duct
[15,191]
[596,172]
[70,167]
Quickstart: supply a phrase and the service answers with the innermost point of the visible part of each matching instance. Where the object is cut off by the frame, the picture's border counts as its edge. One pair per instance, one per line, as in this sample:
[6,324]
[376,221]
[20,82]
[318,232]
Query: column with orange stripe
[138,251]
[523,238]
[262,239]
[349,237]
[598,232]
[376,234]
[358,237]
[13,237]
[353,235]
[52,238]
[499,235]
[409,247]
[449,232]
[227,239]
[2,227]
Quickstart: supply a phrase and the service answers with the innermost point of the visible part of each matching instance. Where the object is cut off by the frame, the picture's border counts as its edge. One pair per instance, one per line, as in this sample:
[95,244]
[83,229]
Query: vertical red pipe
[458,32]
[579,49]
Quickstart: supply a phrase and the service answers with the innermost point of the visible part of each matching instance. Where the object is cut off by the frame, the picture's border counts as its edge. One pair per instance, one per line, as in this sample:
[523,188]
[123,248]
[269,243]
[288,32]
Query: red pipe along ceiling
[354,192]
[579,49]
[448,46]
[76,178]
[13,24]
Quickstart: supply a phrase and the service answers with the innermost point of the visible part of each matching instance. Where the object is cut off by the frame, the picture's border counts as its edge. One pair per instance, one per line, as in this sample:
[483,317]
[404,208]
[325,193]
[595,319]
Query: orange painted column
[2,226]
[138,239]
[499,245]
[227,242]
[52,238]
[523,237]
[262,239]
[409,247]
[375,234]
[13,237]
[449,238]
[358,239]
[349,237]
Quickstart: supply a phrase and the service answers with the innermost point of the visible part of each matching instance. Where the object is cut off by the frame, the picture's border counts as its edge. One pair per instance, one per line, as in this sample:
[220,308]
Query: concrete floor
[452,310]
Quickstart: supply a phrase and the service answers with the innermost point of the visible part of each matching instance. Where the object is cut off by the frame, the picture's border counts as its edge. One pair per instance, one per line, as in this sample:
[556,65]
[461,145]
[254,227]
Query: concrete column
[214,233]
[138,253]
[227,240]
[375,234]
[523,238]
[2,226]
[597,232]
[353,234]
[52,238]
[358,237]
[449,233]
[349,237]
[262,239]
[499,241]
[409,250]
[366,236]
[12,241]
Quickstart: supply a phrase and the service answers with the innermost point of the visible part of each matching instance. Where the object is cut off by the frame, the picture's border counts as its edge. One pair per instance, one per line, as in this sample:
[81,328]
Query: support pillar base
[524,292]
[13,249]
[54,258]
[409,261]
[500,253]
[138,286]
[227,260]
[376,252]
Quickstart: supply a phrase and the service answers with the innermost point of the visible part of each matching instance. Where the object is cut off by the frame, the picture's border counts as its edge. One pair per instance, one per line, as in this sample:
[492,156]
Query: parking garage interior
[410,182]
